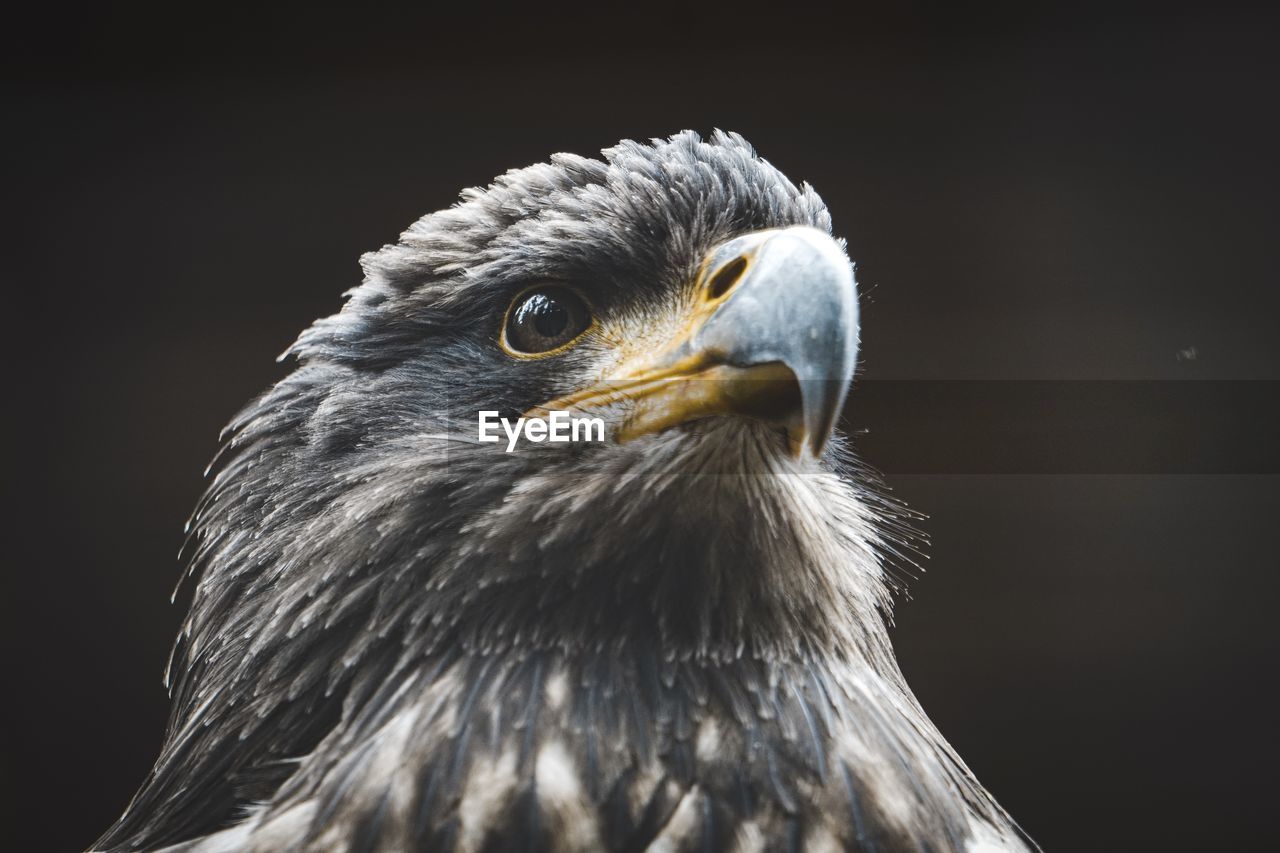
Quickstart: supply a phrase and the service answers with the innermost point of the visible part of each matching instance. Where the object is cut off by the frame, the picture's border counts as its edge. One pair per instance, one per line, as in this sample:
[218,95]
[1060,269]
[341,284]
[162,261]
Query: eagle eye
[544,320]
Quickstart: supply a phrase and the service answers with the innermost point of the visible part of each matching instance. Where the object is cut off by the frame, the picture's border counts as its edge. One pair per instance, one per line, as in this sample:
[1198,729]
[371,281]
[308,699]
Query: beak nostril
[725,278]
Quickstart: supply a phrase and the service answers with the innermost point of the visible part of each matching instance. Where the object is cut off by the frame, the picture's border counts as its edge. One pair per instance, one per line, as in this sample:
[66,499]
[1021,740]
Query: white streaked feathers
[572,817]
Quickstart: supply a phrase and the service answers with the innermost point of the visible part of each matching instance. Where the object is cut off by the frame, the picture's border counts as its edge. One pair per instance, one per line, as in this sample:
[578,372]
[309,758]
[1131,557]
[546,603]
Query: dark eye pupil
[549,317]
[545,319]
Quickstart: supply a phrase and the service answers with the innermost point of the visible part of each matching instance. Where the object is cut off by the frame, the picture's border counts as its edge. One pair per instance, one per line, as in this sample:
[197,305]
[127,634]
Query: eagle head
[410,632]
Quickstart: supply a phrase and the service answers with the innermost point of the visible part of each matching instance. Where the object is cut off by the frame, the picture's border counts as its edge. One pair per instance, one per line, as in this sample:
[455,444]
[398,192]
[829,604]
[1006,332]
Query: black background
[1049,212]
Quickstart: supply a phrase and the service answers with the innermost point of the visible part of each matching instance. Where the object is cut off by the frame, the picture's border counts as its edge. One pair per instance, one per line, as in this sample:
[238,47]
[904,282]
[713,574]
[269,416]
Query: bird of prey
[403,638]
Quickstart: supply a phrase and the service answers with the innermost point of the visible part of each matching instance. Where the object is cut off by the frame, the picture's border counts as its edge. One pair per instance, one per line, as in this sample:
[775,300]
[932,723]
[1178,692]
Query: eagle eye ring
[544,320]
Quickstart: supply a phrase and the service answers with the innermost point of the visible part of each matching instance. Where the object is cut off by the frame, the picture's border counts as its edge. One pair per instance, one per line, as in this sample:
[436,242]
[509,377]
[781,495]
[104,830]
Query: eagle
[403,637]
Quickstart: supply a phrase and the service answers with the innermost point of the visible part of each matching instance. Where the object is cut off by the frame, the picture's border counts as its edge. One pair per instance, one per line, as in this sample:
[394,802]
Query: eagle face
[403,637]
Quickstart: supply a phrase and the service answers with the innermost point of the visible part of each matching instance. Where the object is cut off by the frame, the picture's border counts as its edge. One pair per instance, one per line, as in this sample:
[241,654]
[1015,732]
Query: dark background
[1065,224]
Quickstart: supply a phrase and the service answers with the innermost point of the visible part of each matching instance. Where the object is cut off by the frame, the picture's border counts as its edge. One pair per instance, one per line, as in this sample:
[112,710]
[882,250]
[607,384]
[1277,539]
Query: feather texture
[401,639]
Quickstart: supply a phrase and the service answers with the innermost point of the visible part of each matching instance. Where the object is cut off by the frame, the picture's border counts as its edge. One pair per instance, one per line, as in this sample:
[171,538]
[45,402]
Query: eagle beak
[773,335]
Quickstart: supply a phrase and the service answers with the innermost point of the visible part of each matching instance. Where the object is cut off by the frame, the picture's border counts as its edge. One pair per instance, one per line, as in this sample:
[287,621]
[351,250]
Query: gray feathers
[402,639]
[495,750]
